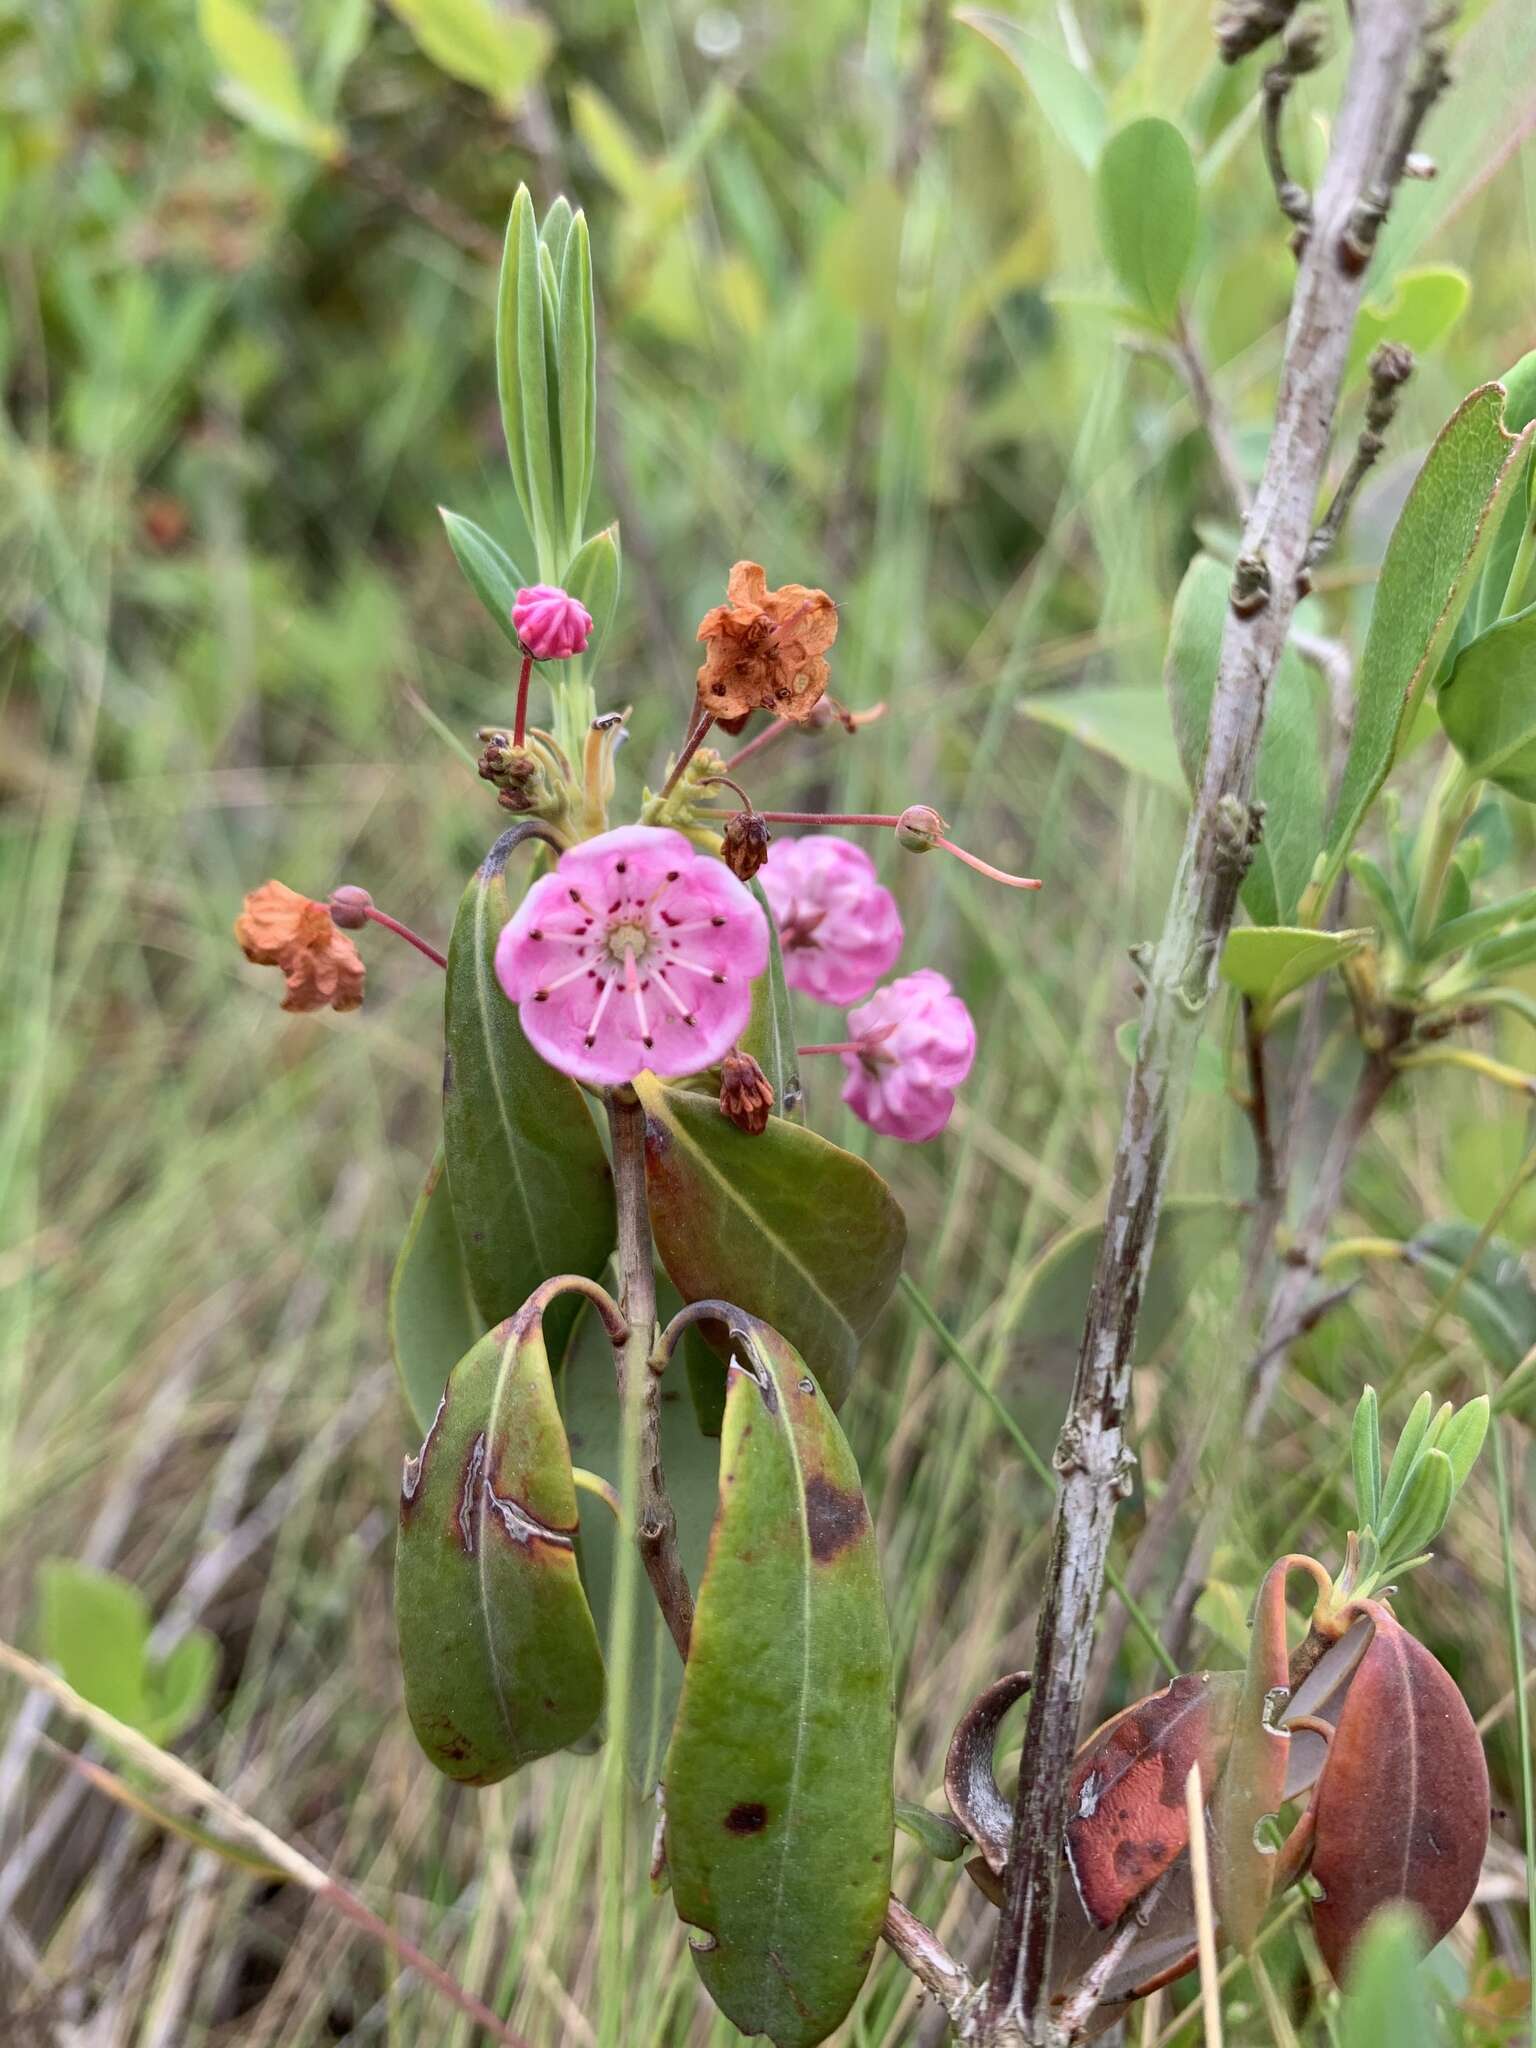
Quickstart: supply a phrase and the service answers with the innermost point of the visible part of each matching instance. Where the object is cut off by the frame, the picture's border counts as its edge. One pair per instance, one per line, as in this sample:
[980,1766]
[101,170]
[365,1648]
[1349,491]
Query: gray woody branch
[1091,1455]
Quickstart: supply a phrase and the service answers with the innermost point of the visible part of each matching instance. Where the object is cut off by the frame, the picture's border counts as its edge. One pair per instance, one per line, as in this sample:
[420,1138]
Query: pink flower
[915,1043]
[636,952]
[550,622]
[839,929]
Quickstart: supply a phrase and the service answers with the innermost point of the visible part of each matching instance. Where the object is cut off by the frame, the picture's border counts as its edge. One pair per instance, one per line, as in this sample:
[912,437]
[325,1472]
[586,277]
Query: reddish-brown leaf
[1402,1805]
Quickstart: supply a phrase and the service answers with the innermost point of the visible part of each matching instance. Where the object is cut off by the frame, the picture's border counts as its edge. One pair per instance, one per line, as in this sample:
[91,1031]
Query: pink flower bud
[551,624]
[915,1045]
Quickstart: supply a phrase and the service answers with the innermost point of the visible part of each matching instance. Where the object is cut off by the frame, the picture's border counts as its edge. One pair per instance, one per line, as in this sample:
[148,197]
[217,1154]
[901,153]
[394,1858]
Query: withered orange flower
[766,648]
[280,928]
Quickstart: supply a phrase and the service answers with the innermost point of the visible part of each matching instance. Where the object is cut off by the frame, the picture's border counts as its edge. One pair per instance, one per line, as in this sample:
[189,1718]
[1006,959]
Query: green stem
[1450,807]
[1520,571]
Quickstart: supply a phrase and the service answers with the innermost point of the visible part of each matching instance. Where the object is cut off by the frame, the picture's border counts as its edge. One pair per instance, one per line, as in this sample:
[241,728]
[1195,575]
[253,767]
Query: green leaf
[181,1685]
[1268,963]
[690,1460]
[1462,1439]
[529,1180]
[1406,1455]
[1069,99]
[1497,955]
[785,1225]
[1395,916]
[1127,722]
[1493,585]
[1365,1455]
[95,1627]
[592,575]
[936,1832]
[1488,706]
[1488,922]
[1495,1300]
[555,228]
[1419,1516]
[779,1810]
[1431,565]
[497,1646]
[493,575]
[1289,781]
[1425,304]
[522,380]
[1149,212]
[481,43]
[1386,2004]
[433,1319]
[770,1033]
[260,81]
[1193,1234]
[576,379]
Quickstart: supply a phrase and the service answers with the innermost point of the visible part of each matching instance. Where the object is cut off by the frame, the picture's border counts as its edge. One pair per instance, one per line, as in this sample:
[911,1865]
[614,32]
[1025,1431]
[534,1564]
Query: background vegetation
[857,326]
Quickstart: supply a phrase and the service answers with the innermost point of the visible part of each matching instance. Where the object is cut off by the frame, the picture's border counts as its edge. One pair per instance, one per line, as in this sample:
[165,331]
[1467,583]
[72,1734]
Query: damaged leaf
[532,1193]
[497,1645]
[779,1795]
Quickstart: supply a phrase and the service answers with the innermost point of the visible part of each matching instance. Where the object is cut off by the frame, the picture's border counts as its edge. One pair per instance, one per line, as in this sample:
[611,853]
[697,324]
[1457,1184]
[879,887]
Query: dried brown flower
[280,928]
[746,1093]
[766,649]
[744,845]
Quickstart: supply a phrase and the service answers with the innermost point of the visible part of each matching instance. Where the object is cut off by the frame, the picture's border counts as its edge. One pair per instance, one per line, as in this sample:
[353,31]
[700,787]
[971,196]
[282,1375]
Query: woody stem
[520,723]
[403,931]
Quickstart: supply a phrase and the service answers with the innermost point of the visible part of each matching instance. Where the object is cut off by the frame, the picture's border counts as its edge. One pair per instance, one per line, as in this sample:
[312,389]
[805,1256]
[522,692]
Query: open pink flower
[839,929]
[637,952]
[915,1042]
[551,624]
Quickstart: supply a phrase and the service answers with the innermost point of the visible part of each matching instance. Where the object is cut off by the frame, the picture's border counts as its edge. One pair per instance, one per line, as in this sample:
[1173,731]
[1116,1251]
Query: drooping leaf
[1488,705]
[1425,304]
[1386,2004]
[497,1645]
[1149,212]
[491,572]
[259,79]
[433,1319]
[785,1225]
[779,1809]
[1496,1299]
[1289,780]
[1127,723]
[1402,1805]
[485,45]
[1269,963]
[531,1190]
[589,1406]
[770,1032]
[1431,565]
[1069,99]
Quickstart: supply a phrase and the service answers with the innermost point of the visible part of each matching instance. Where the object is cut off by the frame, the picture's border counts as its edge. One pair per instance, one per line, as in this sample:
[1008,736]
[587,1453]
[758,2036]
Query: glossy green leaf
[497,1645]
[1069,99]
[1386,2005]
[1268,963]
[481,43]
[589,1405]
[1149,212]
[1192,1236]
[1126,722]
[577,378]
[1365,1457]
[492,574]
[592,574]
[1289,781]
[1425,304]
[433,1319]
[259,80]
[522,380]
[770,1032]
[530,1185]
[1431,566]
[1488,706]
[779,1811]
[786,1225]
[1496,1299]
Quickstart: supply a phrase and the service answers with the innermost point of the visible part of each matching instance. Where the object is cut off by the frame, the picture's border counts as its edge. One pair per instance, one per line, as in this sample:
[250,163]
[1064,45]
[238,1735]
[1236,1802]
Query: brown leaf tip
[321,967]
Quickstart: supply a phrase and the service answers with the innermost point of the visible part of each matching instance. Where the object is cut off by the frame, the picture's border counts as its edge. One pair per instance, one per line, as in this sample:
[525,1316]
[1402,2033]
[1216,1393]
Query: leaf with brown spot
[780,1814]
[497,1646]
[1402,1804]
